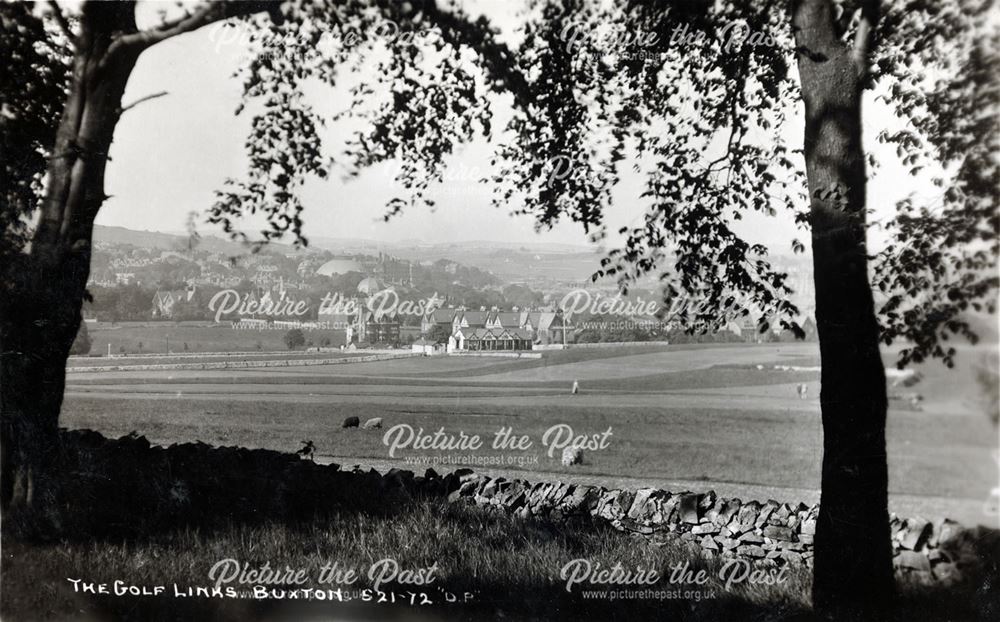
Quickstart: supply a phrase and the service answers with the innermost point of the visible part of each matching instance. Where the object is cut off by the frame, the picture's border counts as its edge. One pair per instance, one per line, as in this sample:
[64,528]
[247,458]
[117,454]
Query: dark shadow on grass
[128,509]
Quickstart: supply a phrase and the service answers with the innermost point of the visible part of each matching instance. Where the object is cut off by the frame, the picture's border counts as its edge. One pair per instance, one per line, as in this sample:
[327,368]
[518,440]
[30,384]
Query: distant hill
[419,246]
[171,241]
[512,261]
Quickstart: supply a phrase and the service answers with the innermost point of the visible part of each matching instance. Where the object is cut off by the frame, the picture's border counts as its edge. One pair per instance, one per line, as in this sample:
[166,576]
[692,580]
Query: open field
[681,417]
[198,337]
[77,362]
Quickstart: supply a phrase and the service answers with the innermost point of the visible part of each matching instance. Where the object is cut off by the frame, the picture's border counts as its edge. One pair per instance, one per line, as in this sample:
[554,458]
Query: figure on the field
[308,450]
[803,391]
[576,387]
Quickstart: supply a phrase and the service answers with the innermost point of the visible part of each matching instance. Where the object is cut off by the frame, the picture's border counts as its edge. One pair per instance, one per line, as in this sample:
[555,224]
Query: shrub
[295,338]
[81,345]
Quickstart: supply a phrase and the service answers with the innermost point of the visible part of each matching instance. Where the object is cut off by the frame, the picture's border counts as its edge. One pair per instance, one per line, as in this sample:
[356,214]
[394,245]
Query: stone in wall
[146,487]
[770,533]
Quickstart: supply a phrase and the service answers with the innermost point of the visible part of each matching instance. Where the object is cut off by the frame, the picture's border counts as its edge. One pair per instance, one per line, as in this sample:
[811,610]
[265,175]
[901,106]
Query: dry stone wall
[768,532]
[132,485]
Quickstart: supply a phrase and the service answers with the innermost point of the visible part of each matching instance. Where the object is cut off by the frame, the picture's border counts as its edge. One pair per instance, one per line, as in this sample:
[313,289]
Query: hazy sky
[171,153]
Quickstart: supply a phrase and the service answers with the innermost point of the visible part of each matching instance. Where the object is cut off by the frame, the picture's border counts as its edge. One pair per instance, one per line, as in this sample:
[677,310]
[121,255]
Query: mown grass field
[155,336]
[689,417]
[194,358]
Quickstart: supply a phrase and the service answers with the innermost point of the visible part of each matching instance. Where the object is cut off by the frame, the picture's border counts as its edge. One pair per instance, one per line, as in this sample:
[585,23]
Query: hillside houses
[102,278]
[437,317]
[361,324]
[392,270]
[166,302]
[548,327]
[748,330]
[378,328]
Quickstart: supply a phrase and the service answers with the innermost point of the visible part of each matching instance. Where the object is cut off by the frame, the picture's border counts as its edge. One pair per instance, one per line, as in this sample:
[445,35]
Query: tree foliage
[32,91]
[940,71]
[695,96]
[438,334]
[422,101]
[81,345]
[294,338]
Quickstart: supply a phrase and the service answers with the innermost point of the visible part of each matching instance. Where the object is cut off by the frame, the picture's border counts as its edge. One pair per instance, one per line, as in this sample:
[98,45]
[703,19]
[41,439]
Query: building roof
[494,333]
[164,296]
[336,267]
[518,333]
[386,316]
[473,319]
[507,319]
[369,286]
[540,320]
[442,316]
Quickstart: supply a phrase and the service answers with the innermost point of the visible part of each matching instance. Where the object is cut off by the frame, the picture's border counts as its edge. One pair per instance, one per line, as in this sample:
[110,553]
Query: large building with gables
[496,330]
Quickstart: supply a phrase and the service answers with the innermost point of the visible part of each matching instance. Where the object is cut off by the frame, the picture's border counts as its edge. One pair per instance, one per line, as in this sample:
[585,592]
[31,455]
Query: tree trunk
[43,293]
[37,326]
[40,311]
[853,576]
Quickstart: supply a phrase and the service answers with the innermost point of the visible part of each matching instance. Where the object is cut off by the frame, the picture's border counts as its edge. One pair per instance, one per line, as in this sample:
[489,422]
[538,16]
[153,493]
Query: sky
[171,153]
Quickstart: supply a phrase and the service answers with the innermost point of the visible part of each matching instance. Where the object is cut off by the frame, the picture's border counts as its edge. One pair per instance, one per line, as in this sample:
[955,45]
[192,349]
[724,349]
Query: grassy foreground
[495,566]
[492,566]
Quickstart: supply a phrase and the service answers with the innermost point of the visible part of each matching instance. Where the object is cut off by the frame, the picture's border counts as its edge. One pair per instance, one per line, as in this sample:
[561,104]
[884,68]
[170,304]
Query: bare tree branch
[60,18]
[143,99]
[207,13]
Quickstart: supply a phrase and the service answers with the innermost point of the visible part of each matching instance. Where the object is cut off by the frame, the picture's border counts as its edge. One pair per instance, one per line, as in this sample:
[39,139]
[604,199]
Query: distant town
[504,303]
